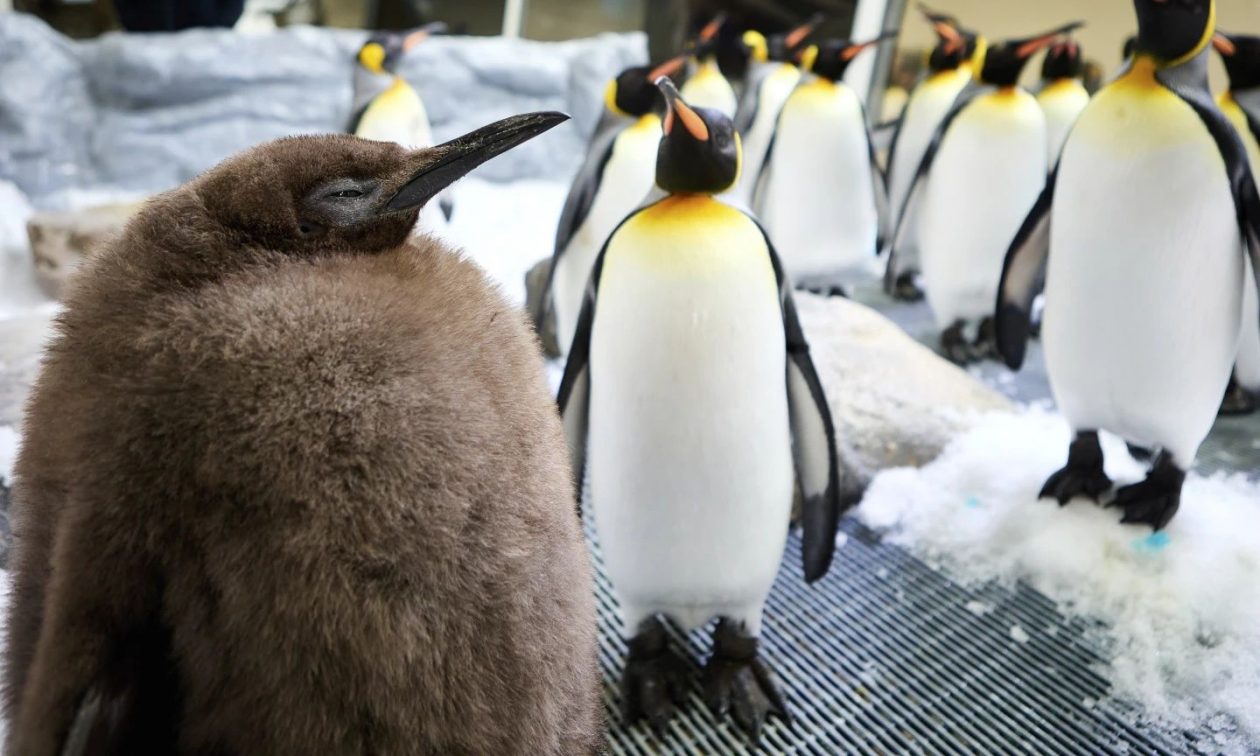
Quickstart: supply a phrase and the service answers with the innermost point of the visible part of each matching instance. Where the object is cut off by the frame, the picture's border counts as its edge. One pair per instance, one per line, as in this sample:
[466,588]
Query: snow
[1180,607]
[8,451]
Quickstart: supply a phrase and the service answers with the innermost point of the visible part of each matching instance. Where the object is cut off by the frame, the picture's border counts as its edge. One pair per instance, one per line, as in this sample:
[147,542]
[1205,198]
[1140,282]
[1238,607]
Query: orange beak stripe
[953,40]
[711,29]
[693,122]
[668,68]
[798,35]
[414,39]
[1028,48]
[1224,45]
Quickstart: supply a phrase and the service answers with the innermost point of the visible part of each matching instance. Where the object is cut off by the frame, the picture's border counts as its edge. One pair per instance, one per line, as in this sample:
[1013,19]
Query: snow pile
[1182,606]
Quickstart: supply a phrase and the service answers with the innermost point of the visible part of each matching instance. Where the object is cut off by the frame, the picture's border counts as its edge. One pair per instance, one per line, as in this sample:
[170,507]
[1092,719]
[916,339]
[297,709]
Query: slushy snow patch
[1181,608]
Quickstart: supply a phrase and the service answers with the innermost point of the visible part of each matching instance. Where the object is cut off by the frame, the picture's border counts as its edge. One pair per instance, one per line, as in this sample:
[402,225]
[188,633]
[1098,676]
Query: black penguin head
[832,58]
[700,152]
[385,49]
[1174,31]
[706,41]
[1242,59]
[1063,61]
[339,193]
[633,93]
[954,44]
[1004,62]
[780,48]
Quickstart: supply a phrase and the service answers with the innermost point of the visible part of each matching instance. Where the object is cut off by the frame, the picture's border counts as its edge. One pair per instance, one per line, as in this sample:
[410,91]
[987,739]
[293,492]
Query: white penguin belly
[708,88]
[818,202]
[927,107]
[775,90]
[1143,289]
[1062,103]
[689,457]
[627,179]
[989,171]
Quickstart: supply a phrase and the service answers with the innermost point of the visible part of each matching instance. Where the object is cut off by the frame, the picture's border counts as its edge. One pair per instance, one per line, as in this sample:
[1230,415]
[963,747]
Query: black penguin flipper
[814,441]
[1189,82]
[577,205]
[746,112]
[915,192]
[896,139]
[879,183]
[357,118]
[1023,277]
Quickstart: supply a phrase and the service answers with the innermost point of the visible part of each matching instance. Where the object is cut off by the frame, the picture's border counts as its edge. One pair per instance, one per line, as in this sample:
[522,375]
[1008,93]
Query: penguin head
[1004,62]
[1174,31]
[1242,59]
[705,43]
[311,195]
[832,58]
[954,45]
[385,49]
[700,151]
[781,48]
[633,93]
[1063,61]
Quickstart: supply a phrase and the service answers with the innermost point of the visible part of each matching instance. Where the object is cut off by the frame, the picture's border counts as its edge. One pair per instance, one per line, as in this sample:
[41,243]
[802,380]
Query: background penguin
[688,388]
[706,87]
[950,68]
[309,468]
[772,77]
[1241,105]
[617,175]
[821,195]
[388,109]
[1063,95]
[1138,240]
[981,173]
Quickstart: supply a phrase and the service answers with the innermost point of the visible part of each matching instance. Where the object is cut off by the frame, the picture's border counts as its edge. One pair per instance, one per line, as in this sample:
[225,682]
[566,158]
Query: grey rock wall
[142,113]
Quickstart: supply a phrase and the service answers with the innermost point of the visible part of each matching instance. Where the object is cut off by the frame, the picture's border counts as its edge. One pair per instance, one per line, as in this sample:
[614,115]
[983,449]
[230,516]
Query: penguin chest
[775,89]
[689,455]
[626,179]
[818,200]
[708,88]
[1062,103]
[1144,282]
[990,169]
[396,115]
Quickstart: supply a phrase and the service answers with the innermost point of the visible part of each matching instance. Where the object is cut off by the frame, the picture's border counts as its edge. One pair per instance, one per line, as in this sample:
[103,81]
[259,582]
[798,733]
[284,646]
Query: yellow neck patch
[372,57]
[1141,75]
[977,58]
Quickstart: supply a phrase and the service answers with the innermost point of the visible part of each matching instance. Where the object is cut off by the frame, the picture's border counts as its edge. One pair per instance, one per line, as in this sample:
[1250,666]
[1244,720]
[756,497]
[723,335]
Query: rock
[535,280]
[895,402]
[60,241]
[144,112]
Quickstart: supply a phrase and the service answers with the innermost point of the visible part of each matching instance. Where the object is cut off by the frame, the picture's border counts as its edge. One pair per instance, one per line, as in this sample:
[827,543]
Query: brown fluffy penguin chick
[293,483]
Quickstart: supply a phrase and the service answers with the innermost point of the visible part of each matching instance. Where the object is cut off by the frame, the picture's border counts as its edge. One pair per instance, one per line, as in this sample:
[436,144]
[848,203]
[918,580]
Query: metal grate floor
[883,656]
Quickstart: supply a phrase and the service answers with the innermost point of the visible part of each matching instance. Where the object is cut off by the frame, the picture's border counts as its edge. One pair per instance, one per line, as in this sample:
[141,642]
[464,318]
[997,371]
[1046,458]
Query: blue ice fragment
[972,502]
[1153,542]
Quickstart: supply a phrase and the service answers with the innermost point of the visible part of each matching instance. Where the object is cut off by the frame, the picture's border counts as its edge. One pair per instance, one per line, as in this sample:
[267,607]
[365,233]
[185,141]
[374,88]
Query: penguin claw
[1238,401]
[735,683]
[906,289]
[1071,482]
[654,681]
[1155,500]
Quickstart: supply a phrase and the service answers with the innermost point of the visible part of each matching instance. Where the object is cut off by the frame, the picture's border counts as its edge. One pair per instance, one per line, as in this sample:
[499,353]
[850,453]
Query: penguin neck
[368,85]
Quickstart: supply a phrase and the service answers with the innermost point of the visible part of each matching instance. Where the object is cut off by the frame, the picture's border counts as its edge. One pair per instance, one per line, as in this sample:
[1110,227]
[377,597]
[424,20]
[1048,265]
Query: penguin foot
[954,345]
[985,347]
[1238,401]
[1155,500]
[906,288]
[736,683]
[837,291]
[655,679]
[1083,474]
[1140,453]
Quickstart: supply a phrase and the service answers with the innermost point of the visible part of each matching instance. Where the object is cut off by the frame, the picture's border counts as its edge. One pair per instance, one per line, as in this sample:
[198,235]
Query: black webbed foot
[1237,401]
[985,346]
[1083,474]
[1140,453]
[655,679]
[954,345]
[906,288]
[1155,500]
[736,683]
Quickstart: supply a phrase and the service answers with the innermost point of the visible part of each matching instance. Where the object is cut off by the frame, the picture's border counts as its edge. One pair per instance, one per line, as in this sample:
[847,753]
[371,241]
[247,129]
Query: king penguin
[1241,105]
[388,109]
[706,87]
[821,195]
[617,175]
[688,391]
[951,66]
[980,174]
[1139,238]
[773,74]
[1063,95]
[292,482]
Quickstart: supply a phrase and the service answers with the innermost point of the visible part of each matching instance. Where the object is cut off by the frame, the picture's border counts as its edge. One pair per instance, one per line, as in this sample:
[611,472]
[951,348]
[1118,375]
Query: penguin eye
[347,194]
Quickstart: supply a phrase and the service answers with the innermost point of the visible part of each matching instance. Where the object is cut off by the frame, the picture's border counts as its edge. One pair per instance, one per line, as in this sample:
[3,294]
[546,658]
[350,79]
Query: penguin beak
[1028,48]
[852,51]
[798,35]
[670,67]
[423,33]
[1224,45]
[460,155]
[691,120]
[711,29]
